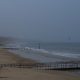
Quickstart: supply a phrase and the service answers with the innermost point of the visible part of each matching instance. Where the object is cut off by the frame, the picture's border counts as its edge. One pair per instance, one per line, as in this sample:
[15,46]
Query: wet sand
[7,73]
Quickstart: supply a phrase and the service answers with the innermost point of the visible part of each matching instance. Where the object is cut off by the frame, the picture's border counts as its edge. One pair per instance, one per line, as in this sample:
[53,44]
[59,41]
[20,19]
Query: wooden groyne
[70,65]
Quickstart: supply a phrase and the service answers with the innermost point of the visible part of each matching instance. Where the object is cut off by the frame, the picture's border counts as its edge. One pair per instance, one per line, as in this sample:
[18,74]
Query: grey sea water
[48,52]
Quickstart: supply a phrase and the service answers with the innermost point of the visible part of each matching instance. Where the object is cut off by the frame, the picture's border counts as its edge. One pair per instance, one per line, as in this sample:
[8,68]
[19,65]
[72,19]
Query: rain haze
[41,20]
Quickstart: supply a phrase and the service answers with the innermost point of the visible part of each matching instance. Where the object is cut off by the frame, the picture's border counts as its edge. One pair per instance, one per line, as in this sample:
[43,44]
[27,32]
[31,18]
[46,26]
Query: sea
[47,52]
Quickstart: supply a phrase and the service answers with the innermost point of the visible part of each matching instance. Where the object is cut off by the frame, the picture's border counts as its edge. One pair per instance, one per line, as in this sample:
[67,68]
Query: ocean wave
[71,55]
[43,51]
[36,50]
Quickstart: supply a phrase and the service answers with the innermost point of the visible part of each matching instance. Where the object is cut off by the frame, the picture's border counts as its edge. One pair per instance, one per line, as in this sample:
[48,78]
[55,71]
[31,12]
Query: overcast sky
[43,20]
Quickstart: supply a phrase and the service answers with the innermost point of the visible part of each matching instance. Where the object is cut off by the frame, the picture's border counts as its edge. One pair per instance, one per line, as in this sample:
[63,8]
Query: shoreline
[42,57]
[15,58]
[8,73]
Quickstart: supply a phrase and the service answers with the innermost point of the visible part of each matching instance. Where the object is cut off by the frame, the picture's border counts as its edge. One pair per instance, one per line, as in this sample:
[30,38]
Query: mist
[41,20]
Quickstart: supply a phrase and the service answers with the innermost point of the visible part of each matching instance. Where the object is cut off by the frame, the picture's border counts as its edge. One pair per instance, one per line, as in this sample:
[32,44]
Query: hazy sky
[44,20]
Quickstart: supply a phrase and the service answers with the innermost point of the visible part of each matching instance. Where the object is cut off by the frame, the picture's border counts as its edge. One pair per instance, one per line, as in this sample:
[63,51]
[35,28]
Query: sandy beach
[7,73]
